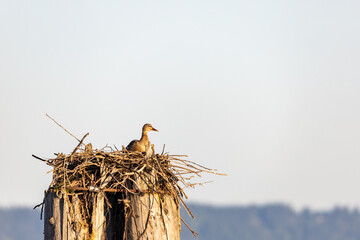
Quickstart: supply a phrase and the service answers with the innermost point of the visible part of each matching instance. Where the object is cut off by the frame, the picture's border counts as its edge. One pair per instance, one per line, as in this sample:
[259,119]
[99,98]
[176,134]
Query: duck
[143,143]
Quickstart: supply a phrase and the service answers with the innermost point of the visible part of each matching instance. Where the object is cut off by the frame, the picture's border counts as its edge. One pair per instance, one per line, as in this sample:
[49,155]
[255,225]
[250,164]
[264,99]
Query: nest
[111,170]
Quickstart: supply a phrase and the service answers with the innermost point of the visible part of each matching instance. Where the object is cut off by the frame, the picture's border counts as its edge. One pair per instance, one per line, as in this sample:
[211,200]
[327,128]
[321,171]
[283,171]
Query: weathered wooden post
[161,222]
[150,216]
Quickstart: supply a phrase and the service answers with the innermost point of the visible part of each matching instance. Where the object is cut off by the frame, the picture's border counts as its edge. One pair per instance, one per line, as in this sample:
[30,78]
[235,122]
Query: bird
[140,145]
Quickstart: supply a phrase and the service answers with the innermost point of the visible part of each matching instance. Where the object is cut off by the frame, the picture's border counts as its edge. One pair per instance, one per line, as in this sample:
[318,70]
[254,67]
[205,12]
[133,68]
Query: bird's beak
[154,129]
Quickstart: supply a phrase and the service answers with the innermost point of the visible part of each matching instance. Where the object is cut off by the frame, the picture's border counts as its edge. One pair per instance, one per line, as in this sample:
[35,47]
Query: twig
[163,150]
[42,207]
[81,142]
[62,127]
[192,231]
[39,158]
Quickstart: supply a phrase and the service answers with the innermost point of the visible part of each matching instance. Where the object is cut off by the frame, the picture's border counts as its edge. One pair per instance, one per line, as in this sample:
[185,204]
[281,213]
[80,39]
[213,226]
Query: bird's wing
[131,144]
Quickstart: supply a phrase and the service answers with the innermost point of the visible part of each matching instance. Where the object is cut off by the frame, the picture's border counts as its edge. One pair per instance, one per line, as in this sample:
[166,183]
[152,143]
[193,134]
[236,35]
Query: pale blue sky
[265,91]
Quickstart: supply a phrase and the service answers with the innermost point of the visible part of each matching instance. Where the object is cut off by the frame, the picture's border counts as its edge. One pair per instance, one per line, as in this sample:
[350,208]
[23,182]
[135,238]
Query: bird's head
[147,127]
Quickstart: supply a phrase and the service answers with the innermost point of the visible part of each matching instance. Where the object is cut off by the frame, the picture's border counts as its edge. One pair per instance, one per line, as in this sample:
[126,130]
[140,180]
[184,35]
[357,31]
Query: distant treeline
[268,222]
[272,222]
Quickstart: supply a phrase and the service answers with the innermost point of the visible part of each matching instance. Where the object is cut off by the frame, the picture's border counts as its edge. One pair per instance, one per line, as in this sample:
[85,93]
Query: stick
[163,150]
[63,127]
[192,231]
[39,158]
[81,142]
